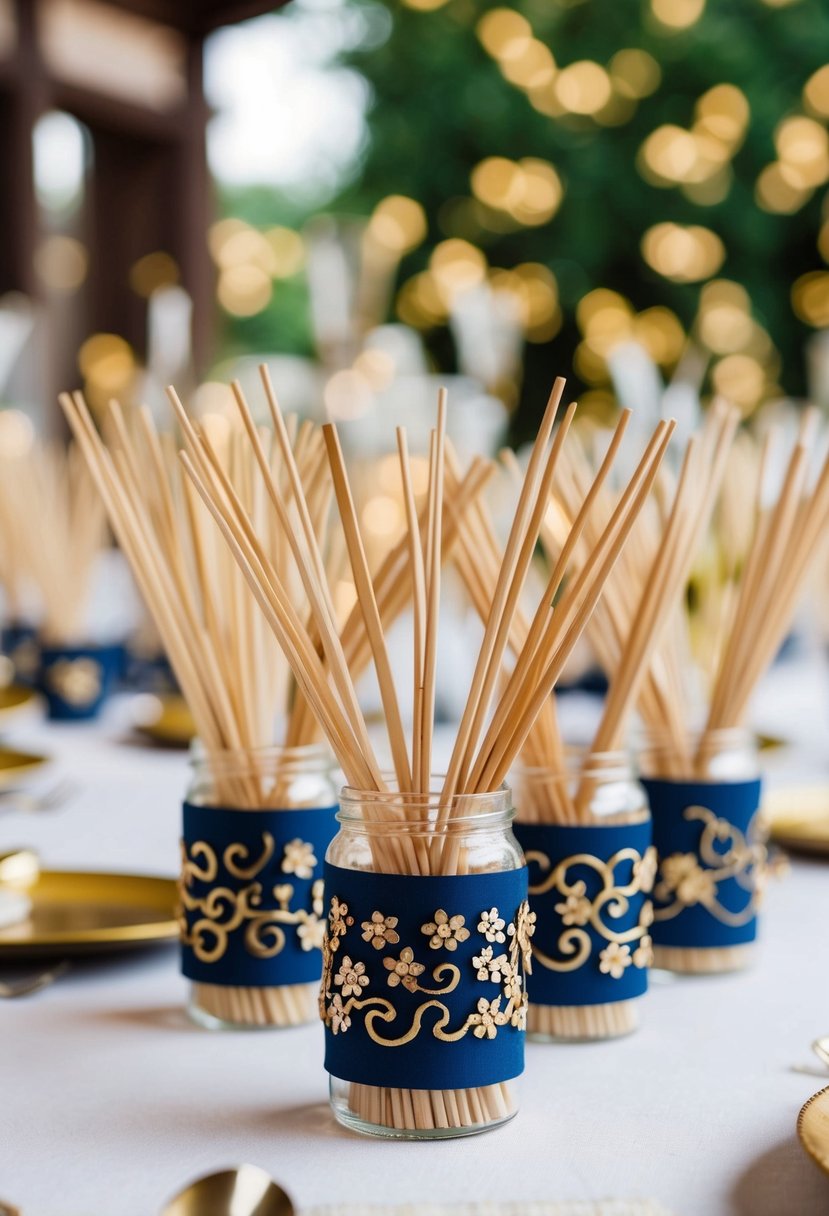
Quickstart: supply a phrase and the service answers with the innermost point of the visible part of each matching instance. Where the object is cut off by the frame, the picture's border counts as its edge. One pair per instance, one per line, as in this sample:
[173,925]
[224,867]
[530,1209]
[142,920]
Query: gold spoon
[19,868]
[243,1191]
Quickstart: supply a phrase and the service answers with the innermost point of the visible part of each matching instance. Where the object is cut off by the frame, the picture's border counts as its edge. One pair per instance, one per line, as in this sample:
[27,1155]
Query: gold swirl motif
[223,911]
[574,943]
[483,1022]
[684,883]
[242,852]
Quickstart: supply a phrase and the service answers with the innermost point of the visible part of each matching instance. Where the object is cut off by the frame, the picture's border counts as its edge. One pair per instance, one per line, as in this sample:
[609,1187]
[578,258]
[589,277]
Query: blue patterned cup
[77,680]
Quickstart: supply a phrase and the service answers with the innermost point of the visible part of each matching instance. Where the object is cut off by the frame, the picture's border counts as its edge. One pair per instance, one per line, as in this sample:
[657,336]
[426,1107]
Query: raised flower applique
[576,908]
[491,925]
[643,954]
[299,858]
[646,915]
[488,1018]
[311,933]
[614,959]
[490,967]
[404,970]
[380,930]
[351,977]
[525,931]
[317,893]
[338,921]
[644,870]
[684,876]
[78,681]
[339,1019]
[513,984]
[445,931]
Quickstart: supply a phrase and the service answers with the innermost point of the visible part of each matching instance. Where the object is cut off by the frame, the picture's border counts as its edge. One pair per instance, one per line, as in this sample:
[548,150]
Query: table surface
[110,1099]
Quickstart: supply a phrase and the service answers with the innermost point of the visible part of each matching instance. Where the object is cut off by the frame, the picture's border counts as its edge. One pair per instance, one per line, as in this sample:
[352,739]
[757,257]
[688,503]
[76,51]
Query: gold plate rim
[821,1161]
[26,697]
[806,831]
[161,729]
[110,935]
[27,762]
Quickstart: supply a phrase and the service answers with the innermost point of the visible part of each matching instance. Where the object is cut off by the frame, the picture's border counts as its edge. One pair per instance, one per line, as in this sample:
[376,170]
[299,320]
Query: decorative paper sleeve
[423,978]
[251,895]
[711,867]
[589,891]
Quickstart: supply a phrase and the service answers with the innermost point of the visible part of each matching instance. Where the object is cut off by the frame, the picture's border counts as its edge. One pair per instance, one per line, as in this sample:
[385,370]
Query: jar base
[582,1023]
[698,960]
[422,1114]
[222,1007]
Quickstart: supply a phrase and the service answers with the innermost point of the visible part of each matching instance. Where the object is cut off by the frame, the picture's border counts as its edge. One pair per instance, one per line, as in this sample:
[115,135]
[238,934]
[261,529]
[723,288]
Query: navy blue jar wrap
[18,642]
[711,868]
[589,889]
[76,680]
[423,978]
[251,894]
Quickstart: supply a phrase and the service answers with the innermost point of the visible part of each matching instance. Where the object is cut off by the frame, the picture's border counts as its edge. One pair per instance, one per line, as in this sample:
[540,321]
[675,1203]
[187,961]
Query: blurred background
[371,192]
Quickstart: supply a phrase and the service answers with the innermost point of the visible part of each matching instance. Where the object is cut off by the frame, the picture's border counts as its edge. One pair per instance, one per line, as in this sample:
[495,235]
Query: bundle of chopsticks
[52,534]
[498,716]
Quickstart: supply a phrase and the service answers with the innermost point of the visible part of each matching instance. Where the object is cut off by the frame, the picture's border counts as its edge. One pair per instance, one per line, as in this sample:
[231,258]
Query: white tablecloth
[110,1100]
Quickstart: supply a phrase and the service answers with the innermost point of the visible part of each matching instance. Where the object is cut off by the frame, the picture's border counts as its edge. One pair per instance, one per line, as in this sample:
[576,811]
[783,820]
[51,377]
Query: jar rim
[396,810]
[318,753]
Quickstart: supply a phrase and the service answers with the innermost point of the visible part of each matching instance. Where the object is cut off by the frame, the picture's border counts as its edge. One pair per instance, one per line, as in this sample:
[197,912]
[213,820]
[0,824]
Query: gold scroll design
[77,681]
[578,910]
[224,911]
[506,970]
[684,883]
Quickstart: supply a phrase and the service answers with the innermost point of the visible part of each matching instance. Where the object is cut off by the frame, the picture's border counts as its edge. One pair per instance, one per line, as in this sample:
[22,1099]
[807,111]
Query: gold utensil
[31,804]
[243,1191]
[81,913]
[15,764]
[821,1049]
[19,869]
[813,1128]
[29,984]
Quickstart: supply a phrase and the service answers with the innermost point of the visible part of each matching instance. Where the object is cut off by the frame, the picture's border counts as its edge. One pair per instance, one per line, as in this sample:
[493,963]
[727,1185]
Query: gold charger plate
[798,818]
[81,913]
[170,723]
[15,764]
[14,697]
[813,1128]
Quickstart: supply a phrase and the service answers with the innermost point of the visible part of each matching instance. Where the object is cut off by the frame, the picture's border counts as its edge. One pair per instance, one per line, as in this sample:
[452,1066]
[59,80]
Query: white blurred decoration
[489,336]
[169,349]
[817,368]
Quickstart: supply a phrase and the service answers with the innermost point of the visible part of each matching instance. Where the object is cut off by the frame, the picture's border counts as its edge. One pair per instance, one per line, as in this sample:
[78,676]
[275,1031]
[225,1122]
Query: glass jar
[256,827]
[586,834]
[423,971]
[712,858]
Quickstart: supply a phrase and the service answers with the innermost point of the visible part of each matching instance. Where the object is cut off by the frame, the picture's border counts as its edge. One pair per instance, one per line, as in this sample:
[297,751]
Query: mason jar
[256,827]
[711,853]
[586,834]
[423,996]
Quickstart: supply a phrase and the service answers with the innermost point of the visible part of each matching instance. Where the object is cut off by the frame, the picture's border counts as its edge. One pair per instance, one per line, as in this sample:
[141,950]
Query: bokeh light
[684,254]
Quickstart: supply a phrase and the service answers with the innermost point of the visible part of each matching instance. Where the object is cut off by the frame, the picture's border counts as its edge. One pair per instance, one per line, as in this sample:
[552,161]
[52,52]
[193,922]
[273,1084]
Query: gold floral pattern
[492,926]
[643,954]
[688,880]
[404,970]
[580,913]
[208,922]
[351,977]
[77,681]
[380,930]
[299,858]
[577,907]
[343,992]
[446,931]
[488,1018]
[614,959]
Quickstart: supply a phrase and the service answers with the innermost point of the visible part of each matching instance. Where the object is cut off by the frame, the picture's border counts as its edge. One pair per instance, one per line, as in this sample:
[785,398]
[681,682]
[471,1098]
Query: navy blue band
[436,961]
[77,680]
[251,894]
[588,889]
[707,887]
